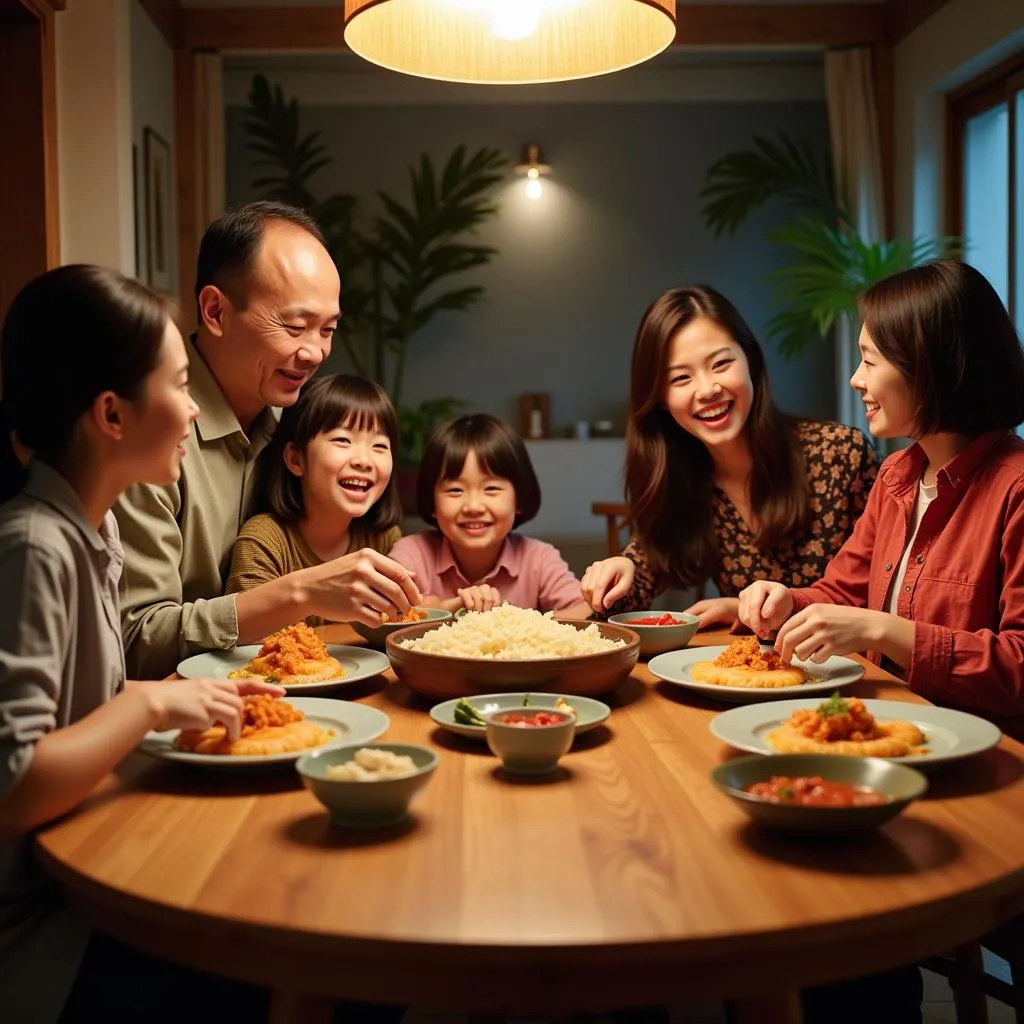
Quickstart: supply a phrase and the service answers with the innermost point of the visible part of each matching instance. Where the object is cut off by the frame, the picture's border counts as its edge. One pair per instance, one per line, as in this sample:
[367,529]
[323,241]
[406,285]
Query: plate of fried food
[294,657]
[920,734]
[274,731]
[744,672]
[465,716]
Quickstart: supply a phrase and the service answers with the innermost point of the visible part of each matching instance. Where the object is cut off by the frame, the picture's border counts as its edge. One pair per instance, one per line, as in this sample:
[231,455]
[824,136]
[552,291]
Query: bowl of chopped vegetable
[465,715]
[658,631]
[376,636]
[529,740]
[367,785]
[819,794]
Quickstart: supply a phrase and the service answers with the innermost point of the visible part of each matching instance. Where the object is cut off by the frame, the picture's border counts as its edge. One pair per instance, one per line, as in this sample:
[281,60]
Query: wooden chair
[616,514]
[964,968]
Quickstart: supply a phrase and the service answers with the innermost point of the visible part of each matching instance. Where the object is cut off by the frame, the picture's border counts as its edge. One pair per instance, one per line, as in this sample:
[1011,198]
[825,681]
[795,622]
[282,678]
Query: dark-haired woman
[932,579]
[721,484]
[86,412]
[477,484]
[326,485]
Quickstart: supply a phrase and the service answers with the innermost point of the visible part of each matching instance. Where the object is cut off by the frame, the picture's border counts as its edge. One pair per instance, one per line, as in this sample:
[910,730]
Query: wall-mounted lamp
[533,169]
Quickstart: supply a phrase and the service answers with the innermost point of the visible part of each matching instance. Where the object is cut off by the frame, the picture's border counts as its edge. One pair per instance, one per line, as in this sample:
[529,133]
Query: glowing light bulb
[515,19]
[534,189]
[533,173]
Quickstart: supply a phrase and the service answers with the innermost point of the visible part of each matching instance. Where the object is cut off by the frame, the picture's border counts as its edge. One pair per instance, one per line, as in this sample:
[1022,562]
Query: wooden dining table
[624,879]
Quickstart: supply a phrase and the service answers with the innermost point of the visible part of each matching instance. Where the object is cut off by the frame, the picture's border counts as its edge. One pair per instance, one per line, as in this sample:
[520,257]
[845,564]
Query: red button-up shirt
[964,583]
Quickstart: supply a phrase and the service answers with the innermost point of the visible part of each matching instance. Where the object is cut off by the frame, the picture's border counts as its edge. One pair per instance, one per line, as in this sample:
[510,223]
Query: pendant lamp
[508,42]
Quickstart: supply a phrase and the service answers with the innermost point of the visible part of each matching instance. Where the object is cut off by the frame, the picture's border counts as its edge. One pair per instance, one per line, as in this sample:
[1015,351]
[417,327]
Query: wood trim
[185,128]
[43,8]
[28,172]
[993,78]
[320,28]
[166,15]
[883,69]
[903,16]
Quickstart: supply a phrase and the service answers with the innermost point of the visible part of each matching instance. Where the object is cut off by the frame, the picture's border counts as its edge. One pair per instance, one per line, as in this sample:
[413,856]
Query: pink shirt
[964,584]
[529,573]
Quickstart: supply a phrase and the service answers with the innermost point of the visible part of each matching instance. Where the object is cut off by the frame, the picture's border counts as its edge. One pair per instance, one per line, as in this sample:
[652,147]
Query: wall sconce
[533,169]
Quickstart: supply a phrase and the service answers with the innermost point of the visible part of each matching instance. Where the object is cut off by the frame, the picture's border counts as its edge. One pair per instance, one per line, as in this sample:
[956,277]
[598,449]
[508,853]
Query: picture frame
[157,188]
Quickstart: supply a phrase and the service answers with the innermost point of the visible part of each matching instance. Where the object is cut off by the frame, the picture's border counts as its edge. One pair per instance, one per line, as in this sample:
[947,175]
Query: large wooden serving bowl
[443,677]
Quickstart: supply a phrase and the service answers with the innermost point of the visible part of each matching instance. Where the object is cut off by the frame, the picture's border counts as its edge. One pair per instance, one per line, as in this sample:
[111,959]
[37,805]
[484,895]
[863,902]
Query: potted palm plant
[827,262]
[398,267]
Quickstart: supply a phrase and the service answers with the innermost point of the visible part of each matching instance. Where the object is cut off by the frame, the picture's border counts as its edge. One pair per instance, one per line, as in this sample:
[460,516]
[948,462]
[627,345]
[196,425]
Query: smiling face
[157,424]
[475,510]
[707,389]
[888,401]
[280,331]
[344,471]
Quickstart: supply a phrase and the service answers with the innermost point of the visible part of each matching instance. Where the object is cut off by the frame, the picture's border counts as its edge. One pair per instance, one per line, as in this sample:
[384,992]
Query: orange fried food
[269,726]
[845,726]
[412,615]
[292,655]
[744,663]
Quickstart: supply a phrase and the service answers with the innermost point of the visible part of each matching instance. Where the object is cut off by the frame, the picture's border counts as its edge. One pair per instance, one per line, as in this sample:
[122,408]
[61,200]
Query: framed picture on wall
[157,157]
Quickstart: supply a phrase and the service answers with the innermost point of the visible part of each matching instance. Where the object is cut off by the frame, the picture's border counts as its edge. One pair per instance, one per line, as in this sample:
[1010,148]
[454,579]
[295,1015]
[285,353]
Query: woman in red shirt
[932,578]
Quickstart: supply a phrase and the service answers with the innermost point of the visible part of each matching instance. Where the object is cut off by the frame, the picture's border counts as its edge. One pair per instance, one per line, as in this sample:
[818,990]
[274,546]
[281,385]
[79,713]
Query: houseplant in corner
[827,262]
[397,267]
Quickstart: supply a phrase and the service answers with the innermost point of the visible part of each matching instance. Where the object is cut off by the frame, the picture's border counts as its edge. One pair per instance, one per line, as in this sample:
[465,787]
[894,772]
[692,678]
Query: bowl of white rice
[512,649]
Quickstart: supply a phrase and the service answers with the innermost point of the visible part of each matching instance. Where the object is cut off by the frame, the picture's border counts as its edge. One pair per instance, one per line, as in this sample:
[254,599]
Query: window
[986,178]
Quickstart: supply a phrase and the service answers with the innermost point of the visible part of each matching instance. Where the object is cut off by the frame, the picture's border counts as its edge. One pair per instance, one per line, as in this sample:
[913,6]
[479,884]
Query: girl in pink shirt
[932,578]
[476,484]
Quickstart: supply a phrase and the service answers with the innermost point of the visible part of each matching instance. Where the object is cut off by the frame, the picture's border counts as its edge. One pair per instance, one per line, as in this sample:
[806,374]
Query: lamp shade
[508,42]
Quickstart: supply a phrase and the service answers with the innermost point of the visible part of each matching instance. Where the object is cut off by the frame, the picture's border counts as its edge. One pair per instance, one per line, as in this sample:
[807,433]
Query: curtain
[857,161]
[209,99]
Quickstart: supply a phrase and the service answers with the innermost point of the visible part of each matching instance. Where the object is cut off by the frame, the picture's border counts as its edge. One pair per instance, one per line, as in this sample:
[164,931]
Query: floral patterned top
[841,467]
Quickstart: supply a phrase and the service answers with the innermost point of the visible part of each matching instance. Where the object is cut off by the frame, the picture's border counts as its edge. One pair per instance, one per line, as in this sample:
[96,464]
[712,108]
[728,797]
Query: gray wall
[618,223]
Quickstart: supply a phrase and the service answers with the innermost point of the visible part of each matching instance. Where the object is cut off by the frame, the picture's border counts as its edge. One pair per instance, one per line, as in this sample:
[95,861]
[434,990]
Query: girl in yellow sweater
[325,485]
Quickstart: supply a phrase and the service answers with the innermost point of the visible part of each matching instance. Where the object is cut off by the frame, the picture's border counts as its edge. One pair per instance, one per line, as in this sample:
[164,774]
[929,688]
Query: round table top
[626,877]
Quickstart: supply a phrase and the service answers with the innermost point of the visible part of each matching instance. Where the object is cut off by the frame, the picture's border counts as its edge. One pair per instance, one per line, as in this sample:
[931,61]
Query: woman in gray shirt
[100,402]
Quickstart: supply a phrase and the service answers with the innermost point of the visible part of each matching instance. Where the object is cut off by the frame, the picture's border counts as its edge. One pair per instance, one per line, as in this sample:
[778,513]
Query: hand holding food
[360,587]
[764,606]
[198,703]
[715,610]
[607,581]
[821,630]
[268,725]
[480,598]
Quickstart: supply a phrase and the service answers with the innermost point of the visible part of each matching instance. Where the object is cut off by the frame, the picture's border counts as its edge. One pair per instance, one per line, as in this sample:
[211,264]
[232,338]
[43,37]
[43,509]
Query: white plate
[590,713]
[951,735]
[358,663]
[350,723]
[832,674]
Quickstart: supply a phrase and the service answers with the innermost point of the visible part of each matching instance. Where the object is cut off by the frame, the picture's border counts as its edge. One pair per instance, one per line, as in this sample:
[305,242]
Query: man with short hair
[268,294]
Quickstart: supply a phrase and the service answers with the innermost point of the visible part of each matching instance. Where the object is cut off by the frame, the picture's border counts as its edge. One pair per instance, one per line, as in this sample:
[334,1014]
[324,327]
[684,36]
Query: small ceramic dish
[661,638]
[373,803]
[897,783]
[376,636]
[530,740]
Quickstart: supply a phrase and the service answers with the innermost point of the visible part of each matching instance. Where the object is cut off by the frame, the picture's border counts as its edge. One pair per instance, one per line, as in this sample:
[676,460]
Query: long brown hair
[669,483]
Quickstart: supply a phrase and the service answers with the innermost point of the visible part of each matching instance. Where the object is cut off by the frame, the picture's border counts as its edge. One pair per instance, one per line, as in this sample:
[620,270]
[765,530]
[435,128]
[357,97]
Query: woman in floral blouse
[721,484]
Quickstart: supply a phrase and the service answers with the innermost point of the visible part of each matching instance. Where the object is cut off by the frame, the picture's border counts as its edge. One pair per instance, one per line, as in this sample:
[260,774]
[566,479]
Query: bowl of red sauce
[819,794]
[658,631]
[530,740]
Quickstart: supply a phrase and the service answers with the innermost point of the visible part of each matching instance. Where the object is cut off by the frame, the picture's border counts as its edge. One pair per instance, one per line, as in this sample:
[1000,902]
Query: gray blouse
[61,656]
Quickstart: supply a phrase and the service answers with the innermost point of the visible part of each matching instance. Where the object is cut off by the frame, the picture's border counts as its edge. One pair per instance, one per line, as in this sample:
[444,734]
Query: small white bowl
[529,749]
[372,803]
